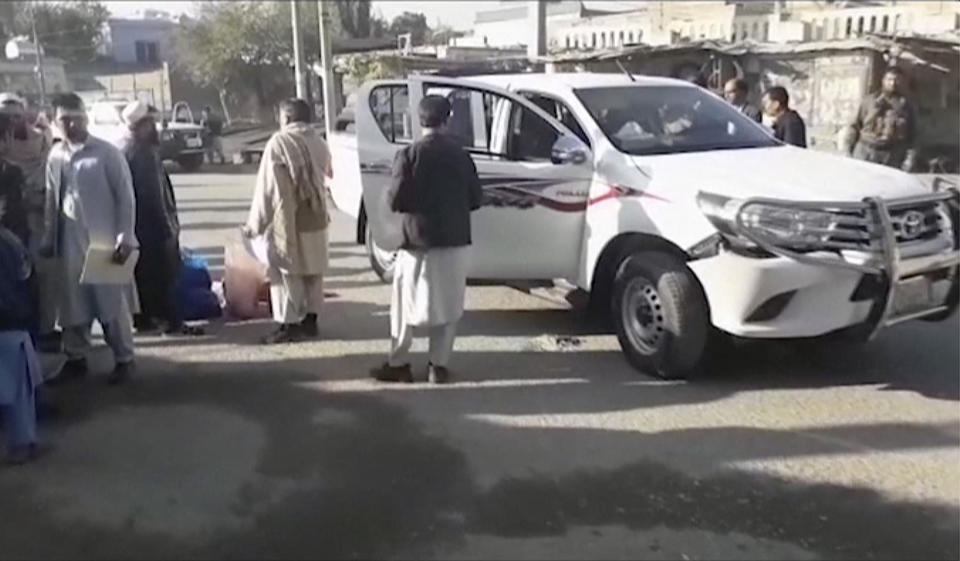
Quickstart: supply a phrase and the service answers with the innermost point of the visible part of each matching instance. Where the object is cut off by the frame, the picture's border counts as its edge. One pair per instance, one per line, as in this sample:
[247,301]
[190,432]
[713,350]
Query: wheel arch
[616,250]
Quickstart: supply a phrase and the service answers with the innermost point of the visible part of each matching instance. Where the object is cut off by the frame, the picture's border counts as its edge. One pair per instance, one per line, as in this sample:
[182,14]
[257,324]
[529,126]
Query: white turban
[134,112]
[9,97]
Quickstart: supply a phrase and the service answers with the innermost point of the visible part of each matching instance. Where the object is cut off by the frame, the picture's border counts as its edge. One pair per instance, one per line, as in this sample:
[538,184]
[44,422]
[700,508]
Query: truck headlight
[796,228]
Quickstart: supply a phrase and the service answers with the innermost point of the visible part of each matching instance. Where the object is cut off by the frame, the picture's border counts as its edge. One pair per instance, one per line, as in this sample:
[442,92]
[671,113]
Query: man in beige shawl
[289,211]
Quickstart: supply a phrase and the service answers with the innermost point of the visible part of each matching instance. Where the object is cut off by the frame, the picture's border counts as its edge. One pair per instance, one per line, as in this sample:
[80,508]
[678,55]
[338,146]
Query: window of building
[603,39]
[896,22]
[640,35]
[744,32]
[850,27]
[594,42]
[836,28]
[622,38]
[886,23]
[630,37]
[860,22]
[568,42]
[576,42]
[146,51]
[873,23]
[766,31]
[613,39]
[755,32]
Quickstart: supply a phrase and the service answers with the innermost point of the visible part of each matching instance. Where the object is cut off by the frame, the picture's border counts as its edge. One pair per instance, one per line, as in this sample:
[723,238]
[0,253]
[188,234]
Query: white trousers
[441,343]
[118,335]
[295,296]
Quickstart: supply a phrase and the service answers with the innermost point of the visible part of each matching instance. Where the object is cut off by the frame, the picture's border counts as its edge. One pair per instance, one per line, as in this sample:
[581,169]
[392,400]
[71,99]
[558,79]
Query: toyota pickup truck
[683,219]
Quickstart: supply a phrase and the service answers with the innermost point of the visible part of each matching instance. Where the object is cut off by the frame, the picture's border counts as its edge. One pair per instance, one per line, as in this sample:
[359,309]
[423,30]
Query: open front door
[533,216]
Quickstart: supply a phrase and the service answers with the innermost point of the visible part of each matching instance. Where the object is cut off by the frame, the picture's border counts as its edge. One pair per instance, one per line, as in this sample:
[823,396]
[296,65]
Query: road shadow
[356,474]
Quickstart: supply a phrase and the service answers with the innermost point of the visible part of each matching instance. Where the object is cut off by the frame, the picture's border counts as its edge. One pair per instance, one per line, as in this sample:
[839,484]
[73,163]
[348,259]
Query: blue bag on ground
[194,295]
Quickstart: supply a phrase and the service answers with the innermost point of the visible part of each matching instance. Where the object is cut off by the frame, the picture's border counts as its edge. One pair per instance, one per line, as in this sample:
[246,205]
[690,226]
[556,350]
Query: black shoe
[184,329]
[286,333]
[387,373]
[24,454]
[49,342]
[438,374]
[121,373]
[73,370]
[309,326]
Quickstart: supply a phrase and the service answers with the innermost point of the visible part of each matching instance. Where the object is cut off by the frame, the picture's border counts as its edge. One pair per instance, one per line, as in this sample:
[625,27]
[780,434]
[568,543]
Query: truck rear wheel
[661,315]
[382,261]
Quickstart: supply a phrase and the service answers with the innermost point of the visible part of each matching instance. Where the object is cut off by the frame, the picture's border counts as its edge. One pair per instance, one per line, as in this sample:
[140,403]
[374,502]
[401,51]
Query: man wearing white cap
[89,202]
[158,228]
[28,150]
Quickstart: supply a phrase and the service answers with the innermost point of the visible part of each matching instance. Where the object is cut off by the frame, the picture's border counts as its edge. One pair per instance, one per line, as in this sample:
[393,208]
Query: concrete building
[572,26]
[143,41]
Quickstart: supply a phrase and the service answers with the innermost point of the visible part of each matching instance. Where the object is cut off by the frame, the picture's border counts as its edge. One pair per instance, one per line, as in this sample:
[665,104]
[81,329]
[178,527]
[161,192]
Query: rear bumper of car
[793,294]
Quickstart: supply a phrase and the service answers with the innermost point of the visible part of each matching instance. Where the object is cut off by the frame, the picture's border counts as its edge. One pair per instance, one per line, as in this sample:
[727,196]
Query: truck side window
[530,138]
[560,111]
[390,106]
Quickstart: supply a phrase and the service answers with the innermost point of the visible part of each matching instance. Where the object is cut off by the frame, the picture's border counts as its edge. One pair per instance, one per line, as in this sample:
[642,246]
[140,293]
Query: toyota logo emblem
[911,224]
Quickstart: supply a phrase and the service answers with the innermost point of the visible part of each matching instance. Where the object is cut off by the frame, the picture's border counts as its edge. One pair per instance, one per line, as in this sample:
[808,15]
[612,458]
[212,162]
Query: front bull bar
[888,264]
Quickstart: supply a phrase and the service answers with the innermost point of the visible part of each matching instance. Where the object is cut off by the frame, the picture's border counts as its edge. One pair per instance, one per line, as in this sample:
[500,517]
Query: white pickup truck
[677,214]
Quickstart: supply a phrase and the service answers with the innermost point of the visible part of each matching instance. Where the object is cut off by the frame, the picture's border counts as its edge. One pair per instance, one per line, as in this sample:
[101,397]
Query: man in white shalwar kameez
[435,186]
[90,202]
[289,210]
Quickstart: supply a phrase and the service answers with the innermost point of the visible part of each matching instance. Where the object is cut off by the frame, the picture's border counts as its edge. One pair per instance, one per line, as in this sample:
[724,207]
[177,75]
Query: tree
[72,31]
[413,23]
[240,48]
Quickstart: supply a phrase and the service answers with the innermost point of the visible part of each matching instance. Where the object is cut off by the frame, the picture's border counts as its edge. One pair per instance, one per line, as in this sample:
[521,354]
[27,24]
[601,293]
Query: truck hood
[782,172]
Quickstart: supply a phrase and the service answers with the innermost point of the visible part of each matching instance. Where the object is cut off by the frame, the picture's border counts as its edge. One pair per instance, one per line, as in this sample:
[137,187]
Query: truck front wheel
[381,260]
[661,315]
[190,162]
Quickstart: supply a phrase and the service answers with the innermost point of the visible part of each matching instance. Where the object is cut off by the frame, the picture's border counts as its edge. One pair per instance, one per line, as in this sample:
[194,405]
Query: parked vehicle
[180,140]
[683,219]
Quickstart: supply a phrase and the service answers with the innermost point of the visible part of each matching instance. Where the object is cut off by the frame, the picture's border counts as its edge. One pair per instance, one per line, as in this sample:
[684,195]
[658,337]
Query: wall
[124,33]
[18,76]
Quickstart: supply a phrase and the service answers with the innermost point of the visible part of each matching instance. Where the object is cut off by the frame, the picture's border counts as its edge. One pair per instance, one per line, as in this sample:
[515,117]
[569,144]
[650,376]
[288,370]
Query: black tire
[661,315]
[190,162]
[381,265]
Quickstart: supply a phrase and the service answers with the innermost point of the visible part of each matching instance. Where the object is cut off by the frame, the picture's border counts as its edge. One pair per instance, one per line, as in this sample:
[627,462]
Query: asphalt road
[549,445]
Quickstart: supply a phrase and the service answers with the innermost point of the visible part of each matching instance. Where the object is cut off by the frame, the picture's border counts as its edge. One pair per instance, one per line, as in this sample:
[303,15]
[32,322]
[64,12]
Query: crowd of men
[61,202]
[883,131]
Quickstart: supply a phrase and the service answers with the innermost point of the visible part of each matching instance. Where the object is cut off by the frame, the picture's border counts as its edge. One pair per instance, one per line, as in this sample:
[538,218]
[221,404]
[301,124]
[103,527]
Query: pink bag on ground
[245,284]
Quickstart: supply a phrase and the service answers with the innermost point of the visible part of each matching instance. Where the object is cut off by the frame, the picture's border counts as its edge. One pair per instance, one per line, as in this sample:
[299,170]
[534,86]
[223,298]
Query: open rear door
[384,125]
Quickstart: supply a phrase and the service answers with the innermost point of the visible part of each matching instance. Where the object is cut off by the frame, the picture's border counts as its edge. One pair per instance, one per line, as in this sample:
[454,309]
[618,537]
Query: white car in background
[680,216]
[181,140]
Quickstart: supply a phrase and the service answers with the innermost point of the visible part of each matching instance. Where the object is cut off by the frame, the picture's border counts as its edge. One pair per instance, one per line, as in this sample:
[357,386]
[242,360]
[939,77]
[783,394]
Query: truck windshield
[670,119]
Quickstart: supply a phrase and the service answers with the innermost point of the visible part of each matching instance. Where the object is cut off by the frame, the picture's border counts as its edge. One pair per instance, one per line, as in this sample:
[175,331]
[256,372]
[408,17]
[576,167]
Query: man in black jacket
[435,186]
[787,124]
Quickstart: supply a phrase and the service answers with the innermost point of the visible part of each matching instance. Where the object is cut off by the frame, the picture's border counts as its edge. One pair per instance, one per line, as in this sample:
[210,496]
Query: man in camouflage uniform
[885,128]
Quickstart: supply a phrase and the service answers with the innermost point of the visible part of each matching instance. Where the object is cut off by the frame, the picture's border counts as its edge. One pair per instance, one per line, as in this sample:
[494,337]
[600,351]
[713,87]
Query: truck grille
[859,230]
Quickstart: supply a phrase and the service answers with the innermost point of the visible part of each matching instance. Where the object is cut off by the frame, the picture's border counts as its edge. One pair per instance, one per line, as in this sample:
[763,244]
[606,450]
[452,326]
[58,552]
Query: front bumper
[809,294]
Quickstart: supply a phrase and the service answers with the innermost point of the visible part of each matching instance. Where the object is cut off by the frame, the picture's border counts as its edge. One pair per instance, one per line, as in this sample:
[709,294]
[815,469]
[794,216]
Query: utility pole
[36,44]
[326,64]
[298,64]
[537,43]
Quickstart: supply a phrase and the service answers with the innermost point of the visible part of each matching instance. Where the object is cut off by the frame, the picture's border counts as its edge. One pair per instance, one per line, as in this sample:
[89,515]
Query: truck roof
[574,80]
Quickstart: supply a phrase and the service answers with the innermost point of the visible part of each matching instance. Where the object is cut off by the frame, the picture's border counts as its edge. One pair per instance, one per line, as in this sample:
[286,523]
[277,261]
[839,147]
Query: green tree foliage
[413,23]
[71,31]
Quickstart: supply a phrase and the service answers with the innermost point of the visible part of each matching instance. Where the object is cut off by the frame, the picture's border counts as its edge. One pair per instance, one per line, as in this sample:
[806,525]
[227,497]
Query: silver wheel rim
[642,314]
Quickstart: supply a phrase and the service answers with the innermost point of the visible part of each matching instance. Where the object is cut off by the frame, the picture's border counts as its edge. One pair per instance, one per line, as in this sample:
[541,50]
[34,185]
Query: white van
[678,214]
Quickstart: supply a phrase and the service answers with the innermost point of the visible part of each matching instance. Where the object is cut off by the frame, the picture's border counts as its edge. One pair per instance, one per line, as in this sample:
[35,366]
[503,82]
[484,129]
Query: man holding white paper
[90,209]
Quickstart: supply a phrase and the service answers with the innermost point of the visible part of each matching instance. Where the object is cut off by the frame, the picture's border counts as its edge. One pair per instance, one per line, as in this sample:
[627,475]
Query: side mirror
[569,150]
